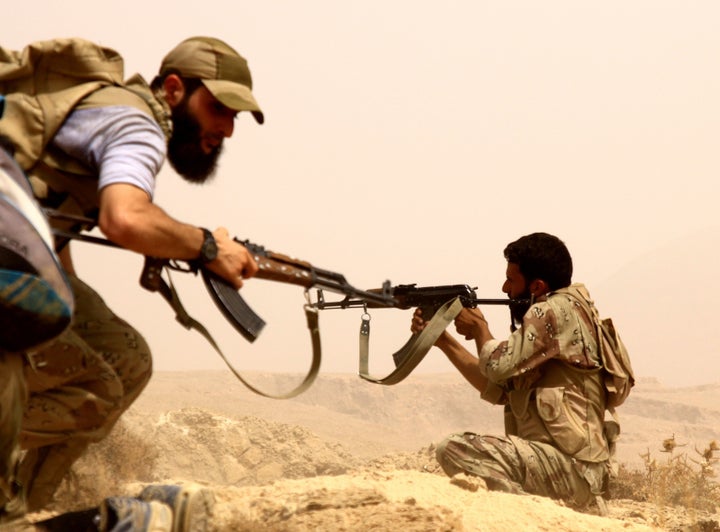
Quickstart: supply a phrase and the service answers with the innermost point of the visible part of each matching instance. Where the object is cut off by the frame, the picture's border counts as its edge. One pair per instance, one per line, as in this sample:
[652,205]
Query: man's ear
[539,288]
[174,89]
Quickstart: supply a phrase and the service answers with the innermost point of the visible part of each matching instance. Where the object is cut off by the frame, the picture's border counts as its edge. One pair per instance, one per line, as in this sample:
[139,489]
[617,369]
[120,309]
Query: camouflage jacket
[548,374]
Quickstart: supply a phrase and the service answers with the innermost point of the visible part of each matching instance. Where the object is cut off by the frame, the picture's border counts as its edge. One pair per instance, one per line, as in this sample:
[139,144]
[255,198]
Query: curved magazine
[233,306]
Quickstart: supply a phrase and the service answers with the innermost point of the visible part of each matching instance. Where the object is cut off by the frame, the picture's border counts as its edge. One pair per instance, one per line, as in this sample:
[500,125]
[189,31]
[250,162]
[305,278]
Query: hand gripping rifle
[440,305]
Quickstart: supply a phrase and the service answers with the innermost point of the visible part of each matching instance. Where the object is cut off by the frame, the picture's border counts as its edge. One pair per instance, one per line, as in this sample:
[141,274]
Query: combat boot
[191,505]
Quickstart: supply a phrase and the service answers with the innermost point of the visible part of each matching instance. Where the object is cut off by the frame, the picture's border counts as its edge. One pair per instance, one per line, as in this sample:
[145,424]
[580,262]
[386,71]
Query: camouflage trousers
[515,465]
[78,387]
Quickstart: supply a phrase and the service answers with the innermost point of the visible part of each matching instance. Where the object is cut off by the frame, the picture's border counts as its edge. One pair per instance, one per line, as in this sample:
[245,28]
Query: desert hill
[350,455]
[371,419]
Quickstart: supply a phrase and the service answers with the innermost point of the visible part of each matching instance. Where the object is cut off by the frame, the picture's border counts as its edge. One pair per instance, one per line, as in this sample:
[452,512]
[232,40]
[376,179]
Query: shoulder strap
[414,350]
[167,290]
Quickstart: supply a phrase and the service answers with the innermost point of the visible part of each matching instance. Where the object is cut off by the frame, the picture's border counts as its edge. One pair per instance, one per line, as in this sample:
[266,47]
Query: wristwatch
[209,250]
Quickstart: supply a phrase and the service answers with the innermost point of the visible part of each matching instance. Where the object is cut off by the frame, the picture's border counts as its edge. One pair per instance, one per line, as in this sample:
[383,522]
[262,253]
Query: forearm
[131,220]
[467,364]
[154,232]
[145,228]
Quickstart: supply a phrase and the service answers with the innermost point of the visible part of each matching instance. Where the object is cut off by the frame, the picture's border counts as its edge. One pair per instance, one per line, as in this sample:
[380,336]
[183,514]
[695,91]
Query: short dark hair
[542,256]
[191,84]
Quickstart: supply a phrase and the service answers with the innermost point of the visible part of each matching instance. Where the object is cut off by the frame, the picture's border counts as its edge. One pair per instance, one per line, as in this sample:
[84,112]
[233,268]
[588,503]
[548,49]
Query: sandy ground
[349,455]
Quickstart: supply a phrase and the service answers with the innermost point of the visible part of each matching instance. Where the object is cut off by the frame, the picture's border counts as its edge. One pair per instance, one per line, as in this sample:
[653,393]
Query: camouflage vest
[43,84]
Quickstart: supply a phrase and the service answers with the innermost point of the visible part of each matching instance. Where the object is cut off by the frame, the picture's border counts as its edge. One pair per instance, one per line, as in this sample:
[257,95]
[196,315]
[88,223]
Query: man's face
[515,285]
[200,124]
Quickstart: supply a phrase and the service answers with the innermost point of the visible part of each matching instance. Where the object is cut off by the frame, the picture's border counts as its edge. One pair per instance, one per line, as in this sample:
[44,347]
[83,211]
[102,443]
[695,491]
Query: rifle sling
[414,350]
[170,295]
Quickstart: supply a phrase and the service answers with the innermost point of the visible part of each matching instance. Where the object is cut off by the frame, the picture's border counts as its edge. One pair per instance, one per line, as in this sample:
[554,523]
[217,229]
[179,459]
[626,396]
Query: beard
[519,308]
[185,151]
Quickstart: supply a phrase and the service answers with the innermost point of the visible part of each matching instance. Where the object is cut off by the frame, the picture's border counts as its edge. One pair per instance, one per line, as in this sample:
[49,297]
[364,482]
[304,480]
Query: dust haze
[411,141]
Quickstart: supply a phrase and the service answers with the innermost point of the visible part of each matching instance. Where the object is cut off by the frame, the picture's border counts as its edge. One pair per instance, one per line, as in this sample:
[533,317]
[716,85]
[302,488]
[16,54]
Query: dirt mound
[196,444]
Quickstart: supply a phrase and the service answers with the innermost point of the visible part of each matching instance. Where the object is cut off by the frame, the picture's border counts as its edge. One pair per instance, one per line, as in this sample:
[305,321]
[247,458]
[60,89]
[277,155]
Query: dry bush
[120,458]
[680,480]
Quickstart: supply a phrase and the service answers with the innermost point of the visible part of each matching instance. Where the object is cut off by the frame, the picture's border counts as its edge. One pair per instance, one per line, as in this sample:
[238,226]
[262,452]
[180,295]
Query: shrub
[681,479]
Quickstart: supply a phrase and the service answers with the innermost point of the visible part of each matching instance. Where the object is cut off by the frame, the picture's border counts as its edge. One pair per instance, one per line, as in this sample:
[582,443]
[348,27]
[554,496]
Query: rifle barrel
[493,301]
[385,301]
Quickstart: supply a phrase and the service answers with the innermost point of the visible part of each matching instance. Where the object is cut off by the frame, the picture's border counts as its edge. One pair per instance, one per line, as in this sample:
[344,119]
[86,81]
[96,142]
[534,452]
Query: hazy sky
[411,140]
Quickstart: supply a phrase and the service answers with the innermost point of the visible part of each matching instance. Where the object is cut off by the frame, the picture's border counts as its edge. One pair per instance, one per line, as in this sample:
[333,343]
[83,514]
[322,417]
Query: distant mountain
[371,420]
[663,304]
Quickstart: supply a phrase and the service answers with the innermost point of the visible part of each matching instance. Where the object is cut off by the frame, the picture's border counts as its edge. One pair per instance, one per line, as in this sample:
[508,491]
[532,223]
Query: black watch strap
[209,250]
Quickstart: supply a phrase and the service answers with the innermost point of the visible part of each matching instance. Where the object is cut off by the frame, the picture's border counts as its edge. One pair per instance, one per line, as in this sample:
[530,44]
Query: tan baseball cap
[222,70]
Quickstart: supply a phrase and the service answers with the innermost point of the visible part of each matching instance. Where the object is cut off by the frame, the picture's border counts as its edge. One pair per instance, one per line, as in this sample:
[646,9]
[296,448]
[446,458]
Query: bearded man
[104,154]
[547,374]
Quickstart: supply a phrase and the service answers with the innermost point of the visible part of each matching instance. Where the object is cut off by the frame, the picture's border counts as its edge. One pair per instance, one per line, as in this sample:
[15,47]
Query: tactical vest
[43,85]
[65,184]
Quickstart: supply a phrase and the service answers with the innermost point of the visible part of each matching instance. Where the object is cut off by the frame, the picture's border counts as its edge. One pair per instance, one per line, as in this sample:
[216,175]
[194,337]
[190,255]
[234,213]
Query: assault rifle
[440,305]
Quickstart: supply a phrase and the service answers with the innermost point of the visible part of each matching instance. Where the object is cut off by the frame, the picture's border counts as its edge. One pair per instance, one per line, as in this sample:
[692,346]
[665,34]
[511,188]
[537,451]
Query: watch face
[209,249]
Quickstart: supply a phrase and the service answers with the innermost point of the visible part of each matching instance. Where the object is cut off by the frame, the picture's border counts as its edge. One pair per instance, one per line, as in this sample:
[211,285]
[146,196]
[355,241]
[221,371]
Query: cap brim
[236,96]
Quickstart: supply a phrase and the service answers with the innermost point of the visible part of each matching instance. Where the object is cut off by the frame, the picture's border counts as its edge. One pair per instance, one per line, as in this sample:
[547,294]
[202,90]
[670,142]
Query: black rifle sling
[170,295]
[414,350]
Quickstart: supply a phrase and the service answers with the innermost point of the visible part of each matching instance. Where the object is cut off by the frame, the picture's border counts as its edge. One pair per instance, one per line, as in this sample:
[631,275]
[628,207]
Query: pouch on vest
[619,377]
[36,301]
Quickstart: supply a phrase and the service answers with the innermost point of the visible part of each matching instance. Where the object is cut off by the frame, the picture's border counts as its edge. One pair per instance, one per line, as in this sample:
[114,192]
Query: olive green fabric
[43,84]
[222,70]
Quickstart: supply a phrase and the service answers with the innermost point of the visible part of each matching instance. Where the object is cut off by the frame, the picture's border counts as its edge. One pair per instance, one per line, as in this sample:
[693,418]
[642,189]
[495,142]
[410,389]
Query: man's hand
[471,324]
[234,262]
[461,358]
[418,323]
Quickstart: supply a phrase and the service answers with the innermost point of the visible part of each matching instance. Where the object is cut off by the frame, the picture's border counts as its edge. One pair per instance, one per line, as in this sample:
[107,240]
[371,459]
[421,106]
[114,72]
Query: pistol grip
[428,311]
[151,276]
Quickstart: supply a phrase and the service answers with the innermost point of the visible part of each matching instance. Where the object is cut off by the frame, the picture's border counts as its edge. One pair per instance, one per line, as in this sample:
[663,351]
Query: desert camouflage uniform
[78,388]
[547,374]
